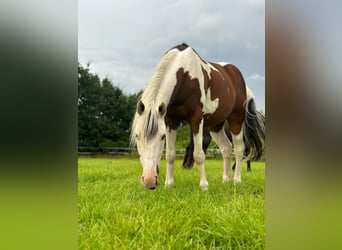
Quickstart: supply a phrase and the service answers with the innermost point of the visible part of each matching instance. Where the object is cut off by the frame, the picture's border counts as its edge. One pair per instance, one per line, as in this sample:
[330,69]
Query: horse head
[148,134]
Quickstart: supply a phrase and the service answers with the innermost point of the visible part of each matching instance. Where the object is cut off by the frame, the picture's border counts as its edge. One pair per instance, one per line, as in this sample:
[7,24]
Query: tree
[89,95]
[105,113]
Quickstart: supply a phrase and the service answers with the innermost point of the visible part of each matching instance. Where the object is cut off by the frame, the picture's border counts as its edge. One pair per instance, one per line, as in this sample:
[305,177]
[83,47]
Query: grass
[117,212]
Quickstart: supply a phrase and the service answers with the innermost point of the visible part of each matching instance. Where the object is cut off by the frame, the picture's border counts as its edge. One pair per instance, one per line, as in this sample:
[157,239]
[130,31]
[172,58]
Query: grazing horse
[184,87]
[189,157]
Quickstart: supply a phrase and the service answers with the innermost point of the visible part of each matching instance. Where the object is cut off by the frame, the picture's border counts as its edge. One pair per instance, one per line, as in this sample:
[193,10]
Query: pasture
[117,212]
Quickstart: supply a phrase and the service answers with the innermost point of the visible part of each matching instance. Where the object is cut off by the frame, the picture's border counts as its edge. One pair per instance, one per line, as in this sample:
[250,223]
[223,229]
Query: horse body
[184,87]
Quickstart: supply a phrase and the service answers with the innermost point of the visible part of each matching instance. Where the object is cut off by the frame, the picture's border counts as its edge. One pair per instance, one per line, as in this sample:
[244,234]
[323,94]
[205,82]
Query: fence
[117,151]
[132,151]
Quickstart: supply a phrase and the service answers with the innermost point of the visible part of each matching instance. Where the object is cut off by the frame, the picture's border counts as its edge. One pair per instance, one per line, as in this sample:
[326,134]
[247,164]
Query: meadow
[117,212]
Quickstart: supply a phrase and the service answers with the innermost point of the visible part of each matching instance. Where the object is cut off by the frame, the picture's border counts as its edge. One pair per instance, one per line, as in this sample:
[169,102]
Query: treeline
[105,112]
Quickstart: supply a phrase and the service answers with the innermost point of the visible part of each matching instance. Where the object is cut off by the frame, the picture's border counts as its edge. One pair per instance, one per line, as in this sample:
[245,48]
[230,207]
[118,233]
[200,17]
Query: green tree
[104,112]
[89,96]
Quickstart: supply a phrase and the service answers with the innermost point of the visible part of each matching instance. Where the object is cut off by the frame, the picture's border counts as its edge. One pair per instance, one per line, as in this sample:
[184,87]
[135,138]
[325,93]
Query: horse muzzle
[150,178]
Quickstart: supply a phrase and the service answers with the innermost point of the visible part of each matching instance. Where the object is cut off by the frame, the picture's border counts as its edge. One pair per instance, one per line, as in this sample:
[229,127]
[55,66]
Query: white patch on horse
[171,137]
[239,148]
[199,156]
[249,94]
[209,106]
[223,63]
[168,80]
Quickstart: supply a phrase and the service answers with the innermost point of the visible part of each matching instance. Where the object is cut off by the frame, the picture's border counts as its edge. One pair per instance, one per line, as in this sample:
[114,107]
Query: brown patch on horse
[206,79]
[185,102]
[221,87]
[184,46]
[238,113]
[180,47]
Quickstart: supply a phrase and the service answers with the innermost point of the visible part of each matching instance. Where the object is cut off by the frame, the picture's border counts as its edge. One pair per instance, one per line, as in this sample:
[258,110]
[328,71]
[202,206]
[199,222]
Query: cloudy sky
[124,40]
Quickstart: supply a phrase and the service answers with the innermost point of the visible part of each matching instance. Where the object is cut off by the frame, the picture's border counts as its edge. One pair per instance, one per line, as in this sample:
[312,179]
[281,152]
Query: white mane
[153,85]
[148,121]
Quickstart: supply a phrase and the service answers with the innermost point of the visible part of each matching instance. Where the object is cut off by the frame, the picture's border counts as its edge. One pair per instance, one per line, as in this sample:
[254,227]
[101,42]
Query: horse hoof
[226,179]
[237,181]
[204,186]
[169,185]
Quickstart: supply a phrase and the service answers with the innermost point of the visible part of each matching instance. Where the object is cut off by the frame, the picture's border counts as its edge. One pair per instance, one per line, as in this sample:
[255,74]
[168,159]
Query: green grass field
[117,212]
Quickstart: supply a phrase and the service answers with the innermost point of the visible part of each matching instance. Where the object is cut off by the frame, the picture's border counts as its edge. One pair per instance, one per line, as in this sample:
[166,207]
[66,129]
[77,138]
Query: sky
[125,40]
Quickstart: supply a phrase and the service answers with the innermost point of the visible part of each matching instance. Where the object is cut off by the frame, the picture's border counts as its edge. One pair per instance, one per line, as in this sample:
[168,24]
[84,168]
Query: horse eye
[163,137]
[137,137]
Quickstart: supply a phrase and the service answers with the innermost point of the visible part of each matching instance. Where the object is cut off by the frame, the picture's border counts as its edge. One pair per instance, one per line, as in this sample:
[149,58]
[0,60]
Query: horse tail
[254,128]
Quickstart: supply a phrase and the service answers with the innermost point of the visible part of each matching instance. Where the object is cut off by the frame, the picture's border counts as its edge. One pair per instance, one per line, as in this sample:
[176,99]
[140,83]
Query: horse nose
[150,182]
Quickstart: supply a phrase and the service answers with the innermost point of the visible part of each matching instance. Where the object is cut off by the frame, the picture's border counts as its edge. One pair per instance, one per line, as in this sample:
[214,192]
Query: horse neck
[161,85]
[186,60]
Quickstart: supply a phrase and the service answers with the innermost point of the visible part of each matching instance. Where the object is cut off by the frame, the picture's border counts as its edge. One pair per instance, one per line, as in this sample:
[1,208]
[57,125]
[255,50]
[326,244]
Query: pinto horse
[184,87]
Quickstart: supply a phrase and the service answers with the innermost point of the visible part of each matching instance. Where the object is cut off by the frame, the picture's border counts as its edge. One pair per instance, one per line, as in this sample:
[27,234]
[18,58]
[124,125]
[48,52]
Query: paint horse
[184,87]
[189,158]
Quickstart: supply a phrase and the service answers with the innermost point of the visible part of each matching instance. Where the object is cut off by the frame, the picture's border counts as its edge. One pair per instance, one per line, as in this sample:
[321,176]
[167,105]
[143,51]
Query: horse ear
[162,109]
[140,108]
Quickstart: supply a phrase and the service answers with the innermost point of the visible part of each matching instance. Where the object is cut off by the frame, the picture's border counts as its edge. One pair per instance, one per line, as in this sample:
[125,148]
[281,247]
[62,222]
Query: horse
[185,87]
[189,158]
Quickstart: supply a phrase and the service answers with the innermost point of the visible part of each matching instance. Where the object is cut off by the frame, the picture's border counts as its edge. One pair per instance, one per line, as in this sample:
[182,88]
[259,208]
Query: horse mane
[148,121]
[153,85]
[184,46]
[180,47]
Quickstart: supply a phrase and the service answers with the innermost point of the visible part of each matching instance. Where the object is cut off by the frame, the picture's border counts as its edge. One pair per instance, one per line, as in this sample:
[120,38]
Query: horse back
[235,78]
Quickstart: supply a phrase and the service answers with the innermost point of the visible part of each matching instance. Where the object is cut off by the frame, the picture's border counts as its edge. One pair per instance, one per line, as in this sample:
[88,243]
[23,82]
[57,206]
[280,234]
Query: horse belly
[218,117]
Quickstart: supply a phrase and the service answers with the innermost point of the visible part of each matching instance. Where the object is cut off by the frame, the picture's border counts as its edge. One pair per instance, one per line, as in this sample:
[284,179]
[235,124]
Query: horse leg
[206,139]
[199,156]
[247,151]
[226,150]
[229,135]
[249,166]
[171,136]
[189,153]
[239,148]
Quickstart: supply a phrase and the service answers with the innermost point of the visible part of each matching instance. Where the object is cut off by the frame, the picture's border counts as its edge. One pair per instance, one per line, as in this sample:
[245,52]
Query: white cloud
[255,6]
[252,46]
[208,24]
[256,77]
